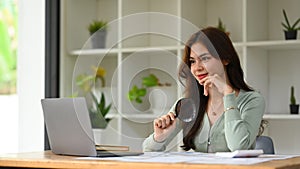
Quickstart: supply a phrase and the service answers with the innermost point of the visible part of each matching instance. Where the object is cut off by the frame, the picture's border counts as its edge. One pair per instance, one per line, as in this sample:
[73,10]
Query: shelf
[123,50]
[281,116]
[280,44]
[150,48]
[94,51]
[235,44]
[238,44]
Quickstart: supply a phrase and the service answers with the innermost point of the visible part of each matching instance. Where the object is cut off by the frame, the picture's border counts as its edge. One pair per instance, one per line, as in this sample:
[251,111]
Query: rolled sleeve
[231,104]
[151,145]
[242,123]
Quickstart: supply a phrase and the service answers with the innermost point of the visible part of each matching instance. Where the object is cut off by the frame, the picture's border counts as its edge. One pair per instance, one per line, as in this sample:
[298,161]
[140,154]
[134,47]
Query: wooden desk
[49,160]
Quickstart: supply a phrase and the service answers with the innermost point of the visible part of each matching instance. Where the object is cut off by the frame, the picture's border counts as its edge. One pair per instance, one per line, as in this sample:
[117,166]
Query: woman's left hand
[215,81]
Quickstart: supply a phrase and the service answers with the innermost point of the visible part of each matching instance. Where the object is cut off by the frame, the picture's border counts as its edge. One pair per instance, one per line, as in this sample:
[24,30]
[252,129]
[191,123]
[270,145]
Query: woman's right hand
[163,126]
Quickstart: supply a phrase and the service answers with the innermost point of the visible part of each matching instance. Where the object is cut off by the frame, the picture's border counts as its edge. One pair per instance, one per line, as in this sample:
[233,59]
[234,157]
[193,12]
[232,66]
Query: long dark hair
[220,46]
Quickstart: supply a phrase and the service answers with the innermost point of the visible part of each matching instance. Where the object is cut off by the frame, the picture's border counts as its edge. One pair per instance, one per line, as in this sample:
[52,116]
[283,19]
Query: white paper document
[191,157]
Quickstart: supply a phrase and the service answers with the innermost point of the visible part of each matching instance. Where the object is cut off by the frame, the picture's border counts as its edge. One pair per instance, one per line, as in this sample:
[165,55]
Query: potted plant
[98,31]
[98,114]
[294,108]
[137,93]
[221,26]
[290,31]
[99,110]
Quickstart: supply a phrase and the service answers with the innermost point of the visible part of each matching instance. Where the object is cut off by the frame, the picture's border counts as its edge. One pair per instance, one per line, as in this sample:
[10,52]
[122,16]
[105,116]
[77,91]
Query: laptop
[69,128]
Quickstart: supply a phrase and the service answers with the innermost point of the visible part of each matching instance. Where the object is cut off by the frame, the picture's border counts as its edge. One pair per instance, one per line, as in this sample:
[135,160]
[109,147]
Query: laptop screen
[68,126]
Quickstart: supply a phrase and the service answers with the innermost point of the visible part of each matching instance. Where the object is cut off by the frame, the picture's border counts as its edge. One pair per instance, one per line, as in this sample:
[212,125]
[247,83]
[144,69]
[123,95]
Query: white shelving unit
[281,117]
[147,36]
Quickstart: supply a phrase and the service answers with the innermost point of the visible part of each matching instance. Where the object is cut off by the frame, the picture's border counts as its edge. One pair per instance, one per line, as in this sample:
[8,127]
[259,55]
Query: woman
[229,111]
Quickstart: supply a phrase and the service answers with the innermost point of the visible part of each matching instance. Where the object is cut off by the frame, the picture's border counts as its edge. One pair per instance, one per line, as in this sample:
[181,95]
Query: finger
[168,120]
[205,92]
[172,116]
[157,123]
[206,87]
[202,81]
[162,122]
[208,82]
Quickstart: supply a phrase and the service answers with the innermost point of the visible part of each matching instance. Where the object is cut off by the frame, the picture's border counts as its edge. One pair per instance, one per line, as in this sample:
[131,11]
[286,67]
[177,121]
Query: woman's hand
[163,126]
[218,82]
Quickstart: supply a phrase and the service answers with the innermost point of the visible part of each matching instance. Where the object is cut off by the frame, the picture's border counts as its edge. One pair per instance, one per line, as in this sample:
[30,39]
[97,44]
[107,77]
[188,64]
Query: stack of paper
[240,153]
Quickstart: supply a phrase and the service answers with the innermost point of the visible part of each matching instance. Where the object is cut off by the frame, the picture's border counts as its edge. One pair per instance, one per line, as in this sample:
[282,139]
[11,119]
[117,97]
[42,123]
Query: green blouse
[236,129]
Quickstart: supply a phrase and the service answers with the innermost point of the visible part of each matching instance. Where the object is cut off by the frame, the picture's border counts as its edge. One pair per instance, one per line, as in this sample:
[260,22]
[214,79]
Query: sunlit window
[8,46]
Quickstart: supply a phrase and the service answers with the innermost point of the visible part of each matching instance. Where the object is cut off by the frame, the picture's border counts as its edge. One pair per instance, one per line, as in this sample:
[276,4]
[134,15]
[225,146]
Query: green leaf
[96,25]
[142,92]
[150,81]
[295,24]
[286,18]
[81,79]
[106,110]
[139,100]
[85,82]
[101,105]
[221,26]
[132,94]
[285,26]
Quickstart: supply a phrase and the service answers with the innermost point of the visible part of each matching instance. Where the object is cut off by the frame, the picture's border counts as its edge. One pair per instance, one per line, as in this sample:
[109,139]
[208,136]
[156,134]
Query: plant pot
[294,108]
[106,136]
[99,39]
[289,35]
[98,121]
[100,136]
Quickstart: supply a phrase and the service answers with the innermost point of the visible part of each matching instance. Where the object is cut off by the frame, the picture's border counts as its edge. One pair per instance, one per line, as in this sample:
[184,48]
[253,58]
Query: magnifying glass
[185,109]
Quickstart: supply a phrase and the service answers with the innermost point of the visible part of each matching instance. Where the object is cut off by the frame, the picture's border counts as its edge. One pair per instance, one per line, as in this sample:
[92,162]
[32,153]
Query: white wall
[31,53]
[9,123]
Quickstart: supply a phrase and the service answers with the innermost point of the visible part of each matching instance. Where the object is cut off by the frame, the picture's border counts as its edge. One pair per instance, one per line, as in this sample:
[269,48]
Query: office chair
[265,143]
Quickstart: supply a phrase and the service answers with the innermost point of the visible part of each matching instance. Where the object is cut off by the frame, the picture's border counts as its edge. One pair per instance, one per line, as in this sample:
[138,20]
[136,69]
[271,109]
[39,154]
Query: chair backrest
[266,144]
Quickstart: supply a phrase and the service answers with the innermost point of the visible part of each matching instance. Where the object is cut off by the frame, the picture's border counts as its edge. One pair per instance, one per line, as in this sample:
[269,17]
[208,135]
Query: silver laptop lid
[68,126]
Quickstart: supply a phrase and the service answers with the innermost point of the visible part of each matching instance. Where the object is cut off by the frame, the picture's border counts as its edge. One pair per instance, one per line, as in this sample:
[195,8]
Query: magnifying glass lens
[185,109]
